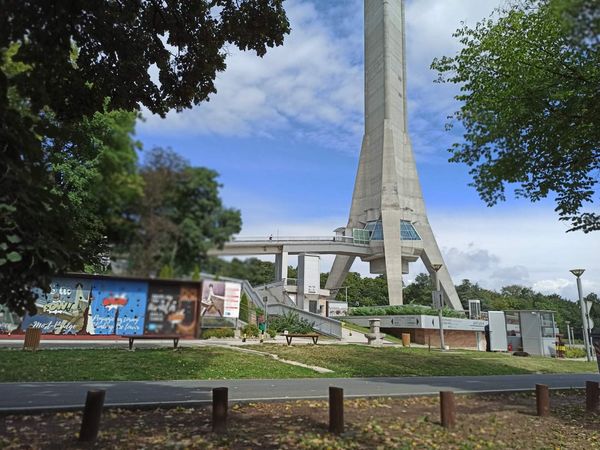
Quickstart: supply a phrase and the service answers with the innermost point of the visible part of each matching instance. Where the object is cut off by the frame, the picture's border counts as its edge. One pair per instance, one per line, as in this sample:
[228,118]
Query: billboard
[336,308]
[220,299]
[171,309]
[9,321]
[62,310]
[117,307]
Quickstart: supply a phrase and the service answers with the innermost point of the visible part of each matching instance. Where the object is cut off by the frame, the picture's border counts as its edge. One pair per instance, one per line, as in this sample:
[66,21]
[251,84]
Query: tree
[531,105]
[60,64]
[419,291]
[180,216]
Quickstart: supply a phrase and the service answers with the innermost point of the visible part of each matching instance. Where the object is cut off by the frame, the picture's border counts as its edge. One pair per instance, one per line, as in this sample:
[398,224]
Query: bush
[272,332]
[574,352]
[244,305]
[290,322]
[217,333]
[250,330]
[403,310]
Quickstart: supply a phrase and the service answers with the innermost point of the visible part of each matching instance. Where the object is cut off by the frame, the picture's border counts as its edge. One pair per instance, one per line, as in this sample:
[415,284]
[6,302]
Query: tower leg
[432,255]
[339,271]
[393,255]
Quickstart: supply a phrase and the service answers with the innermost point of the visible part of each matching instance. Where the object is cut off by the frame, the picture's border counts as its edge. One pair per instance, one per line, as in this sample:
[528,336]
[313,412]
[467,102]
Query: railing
[264,239]
[323,325]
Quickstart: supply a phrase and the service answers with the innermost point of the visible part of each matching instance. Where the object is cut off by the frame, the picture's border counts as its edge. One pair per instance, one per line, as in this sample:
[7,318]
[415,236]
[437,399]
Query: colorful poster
[63,309]
[118,307]
[220,299]
[172,309]
[9,321]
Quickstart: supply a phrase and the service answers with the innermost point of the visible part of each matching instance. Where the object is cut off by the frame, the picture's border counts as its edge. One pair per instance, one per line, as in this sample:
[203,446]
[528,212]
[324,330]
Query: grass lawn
[221,363]
[362,330]
[363,361]
[143,364]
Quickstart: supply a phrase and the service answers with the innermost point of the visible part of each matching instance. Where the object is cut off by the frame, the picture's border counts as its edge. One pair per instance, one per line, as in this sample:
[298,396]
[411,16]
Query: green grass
[143,364]
[363,361]
[220,363]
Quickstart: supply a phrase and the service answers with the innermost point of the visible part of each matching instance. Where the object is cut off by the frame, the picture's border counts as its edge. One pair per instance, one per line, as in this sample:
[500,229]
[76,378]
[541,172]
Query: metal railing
[322,324]
[263,239]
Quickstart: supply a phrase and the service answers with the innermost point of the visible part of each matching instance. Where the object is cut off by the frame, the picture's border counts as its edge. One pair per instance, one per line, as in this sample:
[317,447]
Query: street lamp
[438,295]
[584,314]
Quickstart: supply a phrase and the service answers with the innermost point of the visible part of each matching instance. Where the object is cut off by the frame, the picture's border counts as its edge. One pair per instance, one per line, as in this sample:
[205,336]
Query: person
[209,301]
[270,237]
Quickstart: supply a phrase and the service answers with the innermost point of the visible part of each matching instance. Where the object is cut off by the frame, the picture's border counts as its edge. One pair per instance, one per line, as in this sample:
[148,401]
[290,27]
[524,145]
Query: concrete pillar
[281,265]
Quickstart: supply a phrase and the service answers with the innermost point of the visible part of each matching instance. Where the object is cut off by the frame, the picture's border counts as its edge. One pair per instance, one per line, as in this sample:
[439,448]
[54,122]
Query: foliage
[208,333]
[251,330]
[244,307]
[403,310]
[531,105]
[196,273]
[166,272]
[254,270]
[363,291]
[60,66]
[574,352]
[180,215]
[291,322]
[419,291]
[271,332]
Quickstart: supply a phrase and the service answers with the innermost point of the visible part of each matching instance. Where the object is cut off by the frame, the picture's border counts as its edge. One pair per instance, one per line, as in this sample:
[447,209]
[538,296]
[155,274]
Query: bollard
[219,410]
[447,409]
[592,393]
[336,410]
[542,395]
[90,424]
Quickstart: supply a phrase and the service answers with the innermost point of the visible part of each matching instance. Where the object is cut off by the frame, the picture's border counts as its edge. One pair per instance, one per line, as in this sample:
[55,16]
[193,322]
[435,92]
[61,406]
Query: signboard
[118,307]
[220,299]
[63,309]
[596,345]
[336,309]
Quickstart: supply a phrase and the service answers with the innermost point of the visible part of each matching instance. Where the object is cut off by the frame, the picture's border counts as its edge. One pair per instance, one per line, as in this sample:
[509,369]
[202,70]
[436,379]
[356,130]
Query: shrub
[290,322]
[272,332]
[403,310]
[244,307]
[250,330]
[574,352]
[217,333]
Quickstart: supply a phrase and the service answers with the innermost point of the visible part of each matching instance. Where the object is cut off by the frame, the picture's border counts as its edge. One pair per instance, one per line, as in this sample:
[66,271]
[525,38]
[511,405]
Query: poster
[63,309]
[118,307]
[336,309]
[9,321]
[172,309]
[220,299]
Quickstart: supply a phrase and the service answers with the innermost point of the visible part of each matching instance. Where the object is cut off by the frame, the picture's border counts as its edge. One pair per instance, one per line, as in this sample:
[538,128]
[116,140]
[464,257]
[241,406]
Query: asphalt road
[23,397]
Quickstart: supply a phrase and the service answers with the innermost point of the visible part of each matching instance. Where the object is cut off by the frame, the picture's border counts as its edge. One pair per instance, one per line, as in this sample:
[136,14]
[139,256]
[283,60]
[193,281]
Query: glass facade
[407,231]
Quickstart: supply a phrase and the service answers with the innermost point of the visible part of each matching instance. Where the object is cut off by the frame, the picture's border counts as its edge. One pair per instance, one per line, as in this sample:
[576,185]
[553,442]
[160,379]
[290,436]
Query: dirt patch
[498,421]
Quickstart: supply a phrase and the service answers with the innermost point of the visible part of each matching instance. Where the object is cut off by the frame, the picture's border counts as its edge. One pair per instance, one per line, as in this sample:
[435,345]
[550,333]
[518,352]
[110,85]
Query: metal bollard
[542,395]
[336,410]
[219,410]
[592,396]
[447,409]
[92,413]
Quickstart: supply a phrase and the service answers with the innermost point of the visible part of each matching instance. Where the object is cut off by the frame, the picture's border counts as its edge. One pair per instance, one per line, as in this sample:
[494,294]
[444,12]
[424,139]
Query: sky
[284,133]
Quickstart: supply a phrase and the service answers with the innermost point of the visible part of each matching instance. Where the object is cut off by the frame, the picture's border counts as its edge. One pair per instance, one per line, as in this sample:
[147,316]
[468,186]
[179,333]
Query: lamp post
[438,294]
[584,314]
[568,332]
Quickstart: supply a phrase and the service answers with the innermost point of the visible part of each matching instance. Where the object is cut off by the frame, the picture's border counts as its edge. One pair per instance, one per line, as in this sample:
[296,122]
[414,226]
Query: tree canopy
[62,64]
[180,216]
[530,104]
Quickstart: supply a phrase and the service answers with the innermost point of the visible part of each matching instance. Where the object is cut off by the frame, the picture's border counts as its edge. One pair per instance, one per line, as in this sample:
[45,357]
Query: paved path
[71,395]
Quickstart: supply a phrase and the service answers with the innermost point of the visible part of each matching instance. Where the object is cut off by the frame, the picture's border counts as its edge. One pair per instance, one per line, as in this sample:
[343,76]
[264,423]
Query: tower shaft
[387,198]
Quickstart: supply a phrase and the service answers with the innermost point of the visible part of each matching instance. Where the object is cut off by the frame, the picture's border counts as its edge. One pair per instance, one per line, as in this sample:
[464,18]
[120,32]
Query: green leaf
[13,238]
[14,257]
[2,261]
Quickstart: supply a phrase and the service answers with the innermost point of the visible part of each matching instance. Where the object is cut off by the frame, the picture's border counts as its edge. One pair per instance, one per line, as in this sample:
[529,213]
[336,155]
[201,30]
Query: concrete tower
[388,211]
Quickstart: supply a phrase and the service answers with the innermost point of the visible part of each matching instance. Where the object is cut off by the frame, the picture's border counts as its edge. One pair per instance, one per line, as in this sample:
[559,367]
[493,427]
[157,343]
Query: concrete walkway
[36,397]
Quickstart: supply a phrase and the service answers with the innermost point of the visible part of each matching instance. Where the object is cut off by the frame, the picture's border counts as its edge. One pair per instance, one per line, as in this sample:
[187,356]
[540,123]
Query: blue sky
[284,133]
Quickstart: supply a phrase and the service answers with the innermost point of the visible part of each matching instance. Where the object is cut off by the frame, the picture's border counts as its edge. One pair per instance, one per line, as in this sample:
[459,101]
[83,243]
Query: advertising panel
[171,309]
[9,321]
[335,308]
[220,299]
[63,309]
[118,307]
